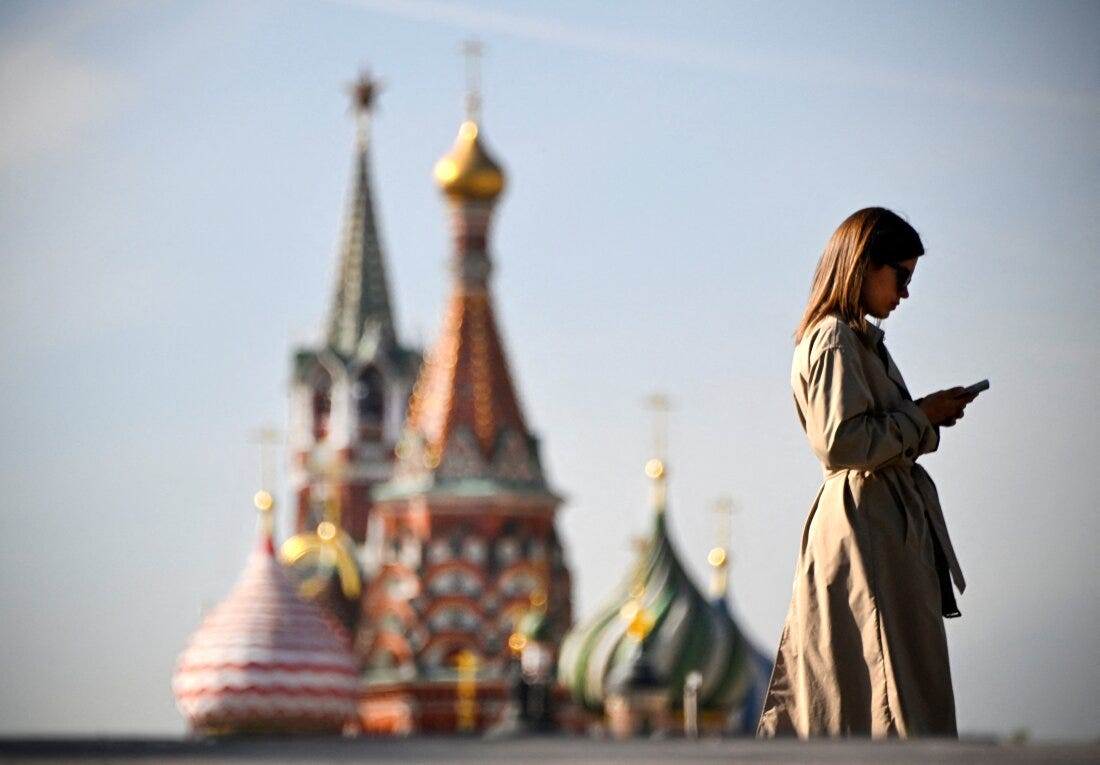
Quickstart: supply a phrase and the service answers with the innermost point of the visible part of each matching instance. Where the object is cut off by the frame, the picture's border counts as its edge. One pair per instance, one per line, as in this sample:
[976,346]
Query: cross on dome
[364,91]
[472,50]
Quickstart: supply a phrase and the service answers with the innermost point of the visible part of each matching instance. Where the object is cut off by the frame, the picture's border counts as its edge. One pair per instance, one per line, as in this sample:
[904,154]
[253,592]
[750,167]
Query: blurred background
[172,185]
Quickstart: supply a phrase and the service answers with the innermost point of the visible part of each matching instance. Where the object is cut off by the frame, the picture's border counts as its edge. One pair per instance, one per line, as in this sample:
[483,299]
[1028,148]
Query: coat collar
[875,335]
[875,338]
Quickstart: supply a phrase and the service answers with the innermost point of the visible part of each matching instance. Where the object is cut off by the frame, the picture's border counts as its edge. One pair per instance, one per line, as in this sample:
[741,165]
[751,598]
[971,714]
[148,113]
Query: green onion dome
[654,631]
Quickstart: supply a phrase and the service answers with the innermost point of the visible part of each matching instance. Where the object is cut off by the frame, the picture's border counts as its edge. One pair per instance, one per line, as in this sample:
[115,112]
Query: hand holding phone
[976,388]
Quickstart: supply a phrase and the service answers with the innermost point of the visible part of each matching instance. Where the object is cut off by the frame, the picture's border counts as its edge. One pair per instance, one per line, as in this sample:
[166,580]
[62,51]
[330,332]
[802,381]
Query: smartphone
[977,387]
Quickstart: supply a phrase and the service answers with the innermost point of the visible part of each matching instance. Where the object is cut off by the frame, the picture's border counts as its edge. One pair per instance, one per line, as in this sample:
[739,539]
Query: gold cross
[658,404]
[723,508]
[268,438]
[472,50]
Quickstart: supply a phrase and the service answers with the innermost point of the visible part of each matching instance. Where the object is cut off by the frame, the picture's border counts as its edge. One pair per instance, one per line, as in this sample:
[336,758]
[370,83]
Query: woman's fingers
[946,407]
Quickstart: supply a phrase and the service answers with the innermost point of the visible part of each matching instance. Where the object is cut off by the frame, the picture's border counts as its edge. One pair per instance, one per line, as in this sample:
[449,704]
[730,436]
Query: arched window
[473,549]
[321,401]
[518,584]
[440,551]
[507,551]
[454,618]
[454,581]
[370,404]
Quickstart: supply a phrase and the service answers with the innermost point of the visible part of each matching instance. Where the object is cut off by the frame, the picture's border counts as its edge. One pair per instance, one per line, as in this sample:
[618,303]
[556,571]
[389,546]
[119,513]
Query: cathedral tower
[348,401]
[464,532]
[349,394]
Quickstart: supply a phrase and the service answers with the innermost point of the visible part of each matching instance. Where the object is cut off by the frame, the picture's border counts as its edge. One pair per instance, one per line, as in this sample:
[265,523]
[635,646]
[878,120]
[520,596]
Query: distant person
[864,651]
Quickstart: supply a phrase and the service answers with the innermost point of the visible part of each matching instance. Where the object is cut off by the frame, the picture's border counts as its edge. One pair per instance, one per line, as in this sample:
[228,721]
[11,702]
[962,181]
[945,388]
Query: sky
[173,179]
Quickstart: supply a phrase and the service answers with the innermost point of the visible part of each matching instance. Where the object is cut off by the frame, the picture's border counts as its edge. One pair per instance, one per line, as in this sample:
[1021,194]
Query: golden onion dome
[467,171]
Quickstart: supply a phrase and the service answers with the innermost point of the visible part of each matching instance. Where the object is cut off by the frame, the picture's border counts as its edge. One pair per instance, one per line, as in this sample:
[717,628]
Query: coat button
[909,452]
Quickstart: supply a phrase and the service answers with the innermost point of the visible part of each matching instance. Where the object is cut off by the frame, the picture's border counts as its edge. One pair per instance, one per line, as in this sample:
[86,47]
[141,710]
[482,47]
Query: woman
[863,650]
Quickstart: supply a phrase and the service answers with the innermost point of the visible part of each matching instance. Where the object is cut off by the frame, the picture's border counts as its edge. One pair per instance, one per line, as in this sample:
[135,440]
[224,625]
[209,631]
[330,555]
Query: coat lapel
[877,339]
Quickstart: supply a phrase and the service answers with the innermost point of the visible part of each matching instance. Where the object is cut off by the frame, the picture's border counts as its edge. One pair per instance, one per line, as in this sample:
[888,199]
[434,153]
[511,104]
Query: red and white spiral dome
[267,661]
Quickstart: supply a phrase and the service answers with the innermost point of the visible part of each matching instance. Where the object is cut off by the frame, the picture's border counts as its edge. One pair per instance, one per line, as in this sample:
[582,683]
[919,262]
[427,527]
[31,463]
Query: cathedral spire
[350,391]
[361,303]
[464,536]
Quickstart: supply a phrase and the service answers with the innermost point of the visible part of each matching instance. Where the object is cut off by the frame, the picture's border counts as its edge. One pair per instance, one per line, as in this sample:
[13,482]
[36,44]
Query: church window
[370,403]
[455,582]
[507,551]
[321,405]
[474,550]
[439,551]
[518,584]
[454,618]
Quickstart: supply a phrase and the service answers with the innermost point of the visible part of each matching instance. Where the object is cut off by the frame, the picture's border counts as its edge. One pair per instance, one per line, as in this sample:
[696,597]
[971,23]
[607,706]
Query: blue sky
[172,185]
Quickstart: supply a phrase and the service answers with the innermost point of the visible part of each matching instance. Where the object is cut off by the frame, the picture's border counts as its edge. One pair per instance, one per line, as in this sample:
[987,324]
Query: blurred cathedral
[425,531]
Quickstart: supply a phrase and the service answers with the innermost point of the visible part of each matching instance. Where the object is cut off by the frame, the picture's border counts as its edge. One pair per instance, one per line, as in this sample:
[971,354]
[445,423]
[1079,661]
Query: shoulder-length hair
[871,235]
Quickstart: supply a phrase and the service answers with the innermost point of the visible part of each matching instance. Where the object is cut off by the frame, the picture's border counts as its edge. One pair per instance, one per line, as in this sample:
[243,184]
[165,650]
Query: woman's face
[884,287]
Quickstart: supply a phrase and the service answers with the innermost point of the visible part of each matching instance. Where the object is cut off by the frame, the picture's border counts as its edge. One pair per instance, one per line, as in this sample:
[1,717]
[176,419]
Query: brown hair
[871,235]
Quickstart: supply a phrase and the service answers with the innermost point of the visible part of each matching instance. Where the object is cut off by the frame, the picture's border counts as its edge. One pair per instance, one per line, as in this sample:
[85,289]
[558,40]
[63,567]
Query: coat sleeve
[846,428]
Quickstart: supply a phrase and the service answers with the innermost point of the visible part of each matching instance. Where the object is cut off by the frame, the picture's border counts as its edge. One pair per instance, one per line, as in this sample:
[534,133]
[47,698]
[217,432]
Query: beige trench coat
[863,650]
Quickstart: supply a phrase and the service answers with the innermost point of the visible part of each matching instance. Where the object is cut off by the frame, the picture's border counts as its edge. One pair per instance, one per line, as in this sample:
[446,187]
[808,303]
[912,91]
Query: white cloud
[48,99]
[695,53]
[551,31]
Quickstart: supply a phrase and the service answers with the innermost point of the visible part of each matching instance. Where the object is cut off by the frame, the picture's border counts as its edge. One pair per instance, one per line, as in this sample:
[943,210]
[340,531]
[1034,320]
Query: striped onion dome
[654,631]
[267,661]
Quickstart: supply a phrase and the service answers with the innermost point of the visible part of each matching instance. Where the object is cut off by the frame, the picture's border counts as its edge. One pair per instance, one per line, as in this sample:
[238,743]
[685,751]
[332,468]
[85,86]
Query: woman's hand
[945,407]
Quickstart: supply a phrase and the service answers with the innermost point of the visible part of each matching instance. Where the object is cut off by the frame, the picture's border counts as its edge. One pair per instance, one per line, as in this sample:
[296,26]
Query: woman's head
[865,269]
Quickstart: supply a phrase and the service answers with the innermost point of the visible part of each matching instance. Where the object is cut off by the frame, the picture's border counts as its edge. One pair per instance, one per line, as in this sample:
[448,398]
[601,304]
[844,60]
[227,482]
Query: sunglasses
[904,276]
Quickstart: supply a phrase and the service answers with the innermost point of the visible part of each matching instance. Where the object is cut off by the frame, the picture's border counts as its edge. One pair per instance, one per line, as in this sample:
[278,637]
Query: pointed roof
[361,300]
[265,660]
[464,420]
[465,383]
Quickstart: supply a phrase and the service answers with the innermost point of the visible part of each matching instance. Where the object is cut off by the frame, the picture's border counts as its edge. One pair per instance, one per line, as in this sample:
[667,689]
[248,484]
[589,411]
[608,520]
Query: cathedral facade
[424,520]
[425,568]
